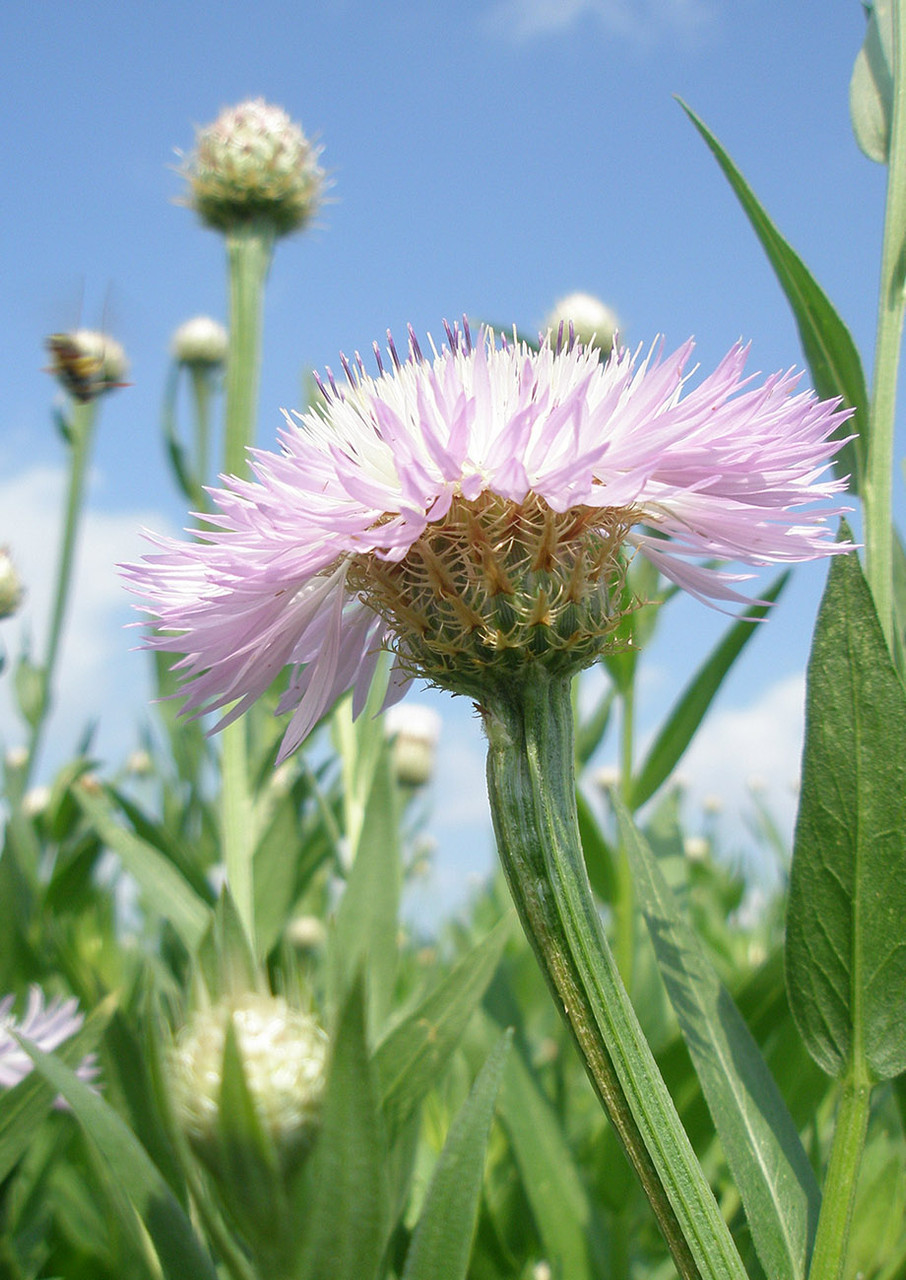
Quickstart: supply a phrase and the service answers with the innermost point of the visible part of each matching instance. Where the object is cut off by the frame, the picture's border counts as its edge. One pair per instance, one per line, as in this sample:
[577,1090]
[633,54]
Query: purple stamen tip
[397,363]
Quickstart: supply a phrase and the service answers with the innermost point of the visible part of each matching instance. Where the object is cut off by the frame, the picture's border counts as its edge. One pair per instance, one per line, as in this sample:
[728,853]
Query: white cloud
[638,20]
[744,749]
[98,676]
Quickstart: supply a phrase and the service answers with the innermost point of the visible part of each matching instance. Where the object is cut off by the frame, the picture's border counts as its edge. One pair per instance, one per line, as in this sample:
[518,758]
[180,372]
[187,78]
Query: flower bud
[200,343]
[11,590]
[254,164]
[87,363]
[306,933]
[593,324]
[414,731]
[283,1053]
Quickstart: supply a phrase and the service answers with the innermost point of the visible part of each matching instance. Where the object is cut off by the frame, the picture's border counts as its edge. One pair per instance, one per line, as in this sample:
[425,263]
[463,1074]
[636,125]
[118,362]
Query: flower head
[47,1027]
[254,163]
[284,1057]
[474,510]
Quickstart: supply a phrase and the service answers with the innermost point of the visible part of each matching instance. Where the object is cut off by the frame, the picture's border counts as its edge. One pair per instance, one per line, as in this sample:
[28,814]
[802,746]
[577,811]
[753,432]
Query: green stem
[250,249]
[201,394]
[839,1192]
[532,790]
[81,426]
[624,907]
[877,487]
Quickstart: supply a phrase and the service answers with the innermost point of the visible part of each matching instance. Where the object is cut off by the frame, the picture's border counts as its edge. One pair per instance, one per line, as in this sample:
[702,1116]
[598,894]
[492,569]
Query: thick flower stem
[81,435]
[878,480]
[839,1193]
[532,790]
[250,249]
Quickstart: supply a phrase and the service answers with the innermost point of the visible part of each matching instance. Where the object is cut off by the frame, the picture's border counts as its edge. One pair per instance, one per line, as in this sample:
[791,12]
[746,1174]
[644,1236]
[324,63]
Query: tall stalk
[81,435]
[878,482]
[250,249]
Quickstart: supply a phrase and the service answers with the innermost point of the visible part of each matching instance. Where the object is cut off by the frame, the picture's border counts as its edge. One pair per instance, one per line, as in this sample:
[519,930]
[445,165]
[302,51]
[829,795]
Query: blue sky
[486,157]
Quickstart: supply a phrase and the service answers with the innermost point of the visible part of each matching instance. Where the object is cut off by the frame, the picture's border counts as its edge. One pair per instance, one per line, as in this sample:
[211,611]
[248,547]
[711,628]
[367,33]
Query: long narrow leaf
[443,1235]
[411,1056]
[348,1226]
[178,1249]
[832,356]
[548,1171]
[767,1159]
[365,929]
[167,890]
[689,711]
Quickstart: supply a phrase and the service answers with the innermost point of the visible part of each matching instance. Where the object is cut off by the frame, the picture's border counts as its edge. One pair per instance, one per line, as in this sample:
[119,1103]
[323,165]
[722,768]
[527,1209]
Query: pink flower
[46,1027]
[477,505]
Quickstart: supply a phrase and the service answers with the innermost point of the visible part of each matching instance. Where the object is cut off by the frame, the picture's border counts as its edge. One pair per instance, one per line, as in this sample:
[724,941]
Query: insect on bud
[87,363]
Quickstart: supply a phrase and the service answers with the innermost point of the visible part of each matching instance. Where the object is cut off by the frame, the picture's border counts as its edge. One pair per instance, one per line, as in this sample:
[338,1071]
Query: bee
[86,363]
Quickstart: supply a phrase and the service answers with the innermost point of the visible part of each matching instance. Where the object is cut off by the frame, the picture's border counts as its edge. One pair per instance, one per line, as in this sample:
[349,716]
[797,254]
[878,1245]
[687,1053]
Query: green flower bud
[254,164]
[200,343]
[413,731]
[11,590]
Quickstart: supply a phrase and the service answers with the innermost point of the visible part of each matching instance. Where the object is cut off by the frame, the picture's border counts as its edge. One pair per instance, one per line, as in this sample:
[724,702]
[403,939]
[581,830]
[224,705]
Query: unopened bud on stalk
[200,343]
[283,1054]
[87,363]
[593,324]
[414,731]
[11,590]
[254,164]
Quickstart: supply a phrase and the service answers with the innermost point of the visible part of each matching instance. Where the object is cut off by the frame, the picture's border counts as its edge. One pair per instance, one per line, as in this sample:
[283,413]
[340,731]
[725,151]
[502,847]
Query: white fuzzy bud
[284,1056]
[200,343]
[593,323]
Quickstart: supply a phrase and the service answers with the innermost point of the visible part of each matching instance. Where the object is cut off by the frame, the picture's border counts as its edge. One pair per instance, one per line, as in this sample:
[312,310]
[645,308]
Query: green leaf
[599,859]
[768,1162]
[348,1214]
[412,1055]
[28,682]
[590,731]
[688,713]
[443,1235]
[846,945]
[364,936]
[899,602]
[168,892]
[871,86]
[832,356]
[549,1175]
[178,1249]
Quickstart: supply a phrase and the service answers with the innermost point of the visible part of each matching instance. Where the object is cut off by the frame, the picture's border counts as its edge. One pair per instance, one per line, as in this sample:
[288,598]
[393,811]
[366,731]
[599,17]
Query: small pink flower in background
[47,1027]
[475,509]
